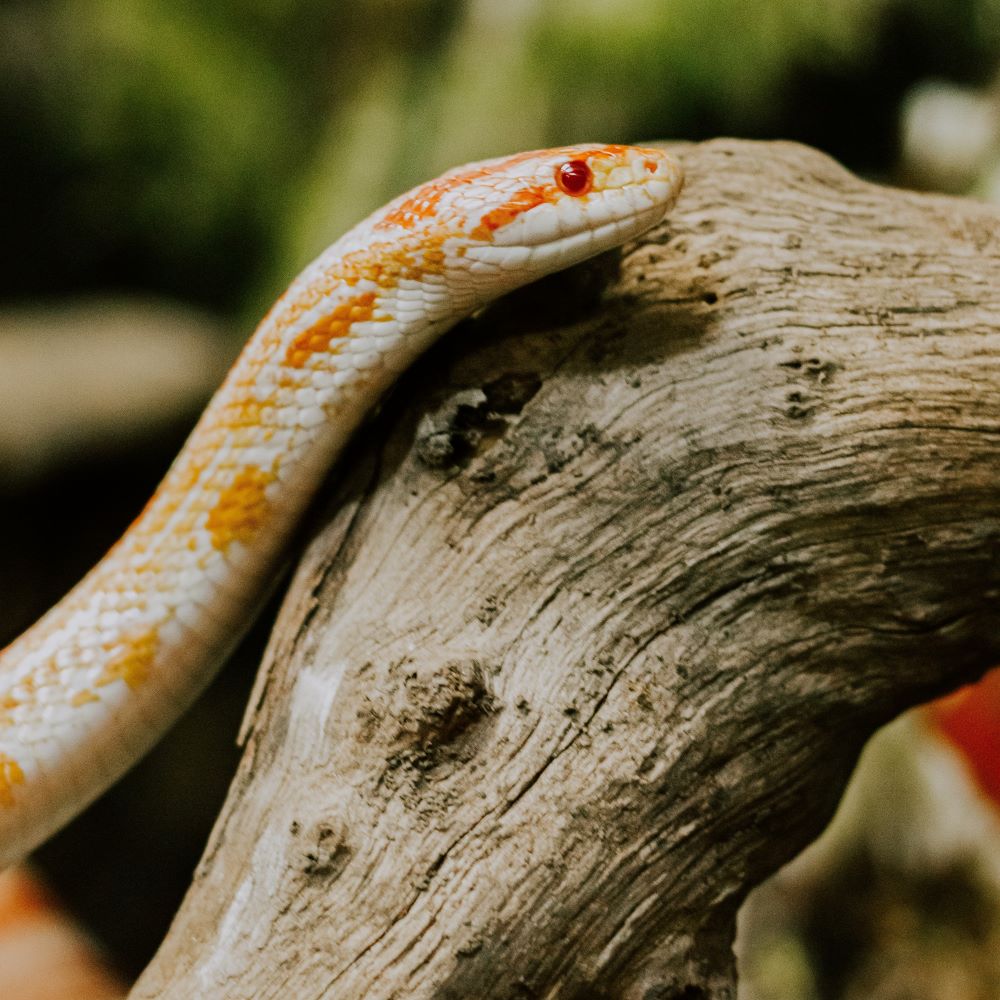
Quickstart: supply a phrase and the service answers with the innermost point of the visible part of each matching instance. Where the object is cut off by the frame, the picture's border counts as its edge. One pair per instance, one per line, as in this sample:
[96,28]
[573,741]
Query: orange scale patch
[11,775]
[349,269]
[132,664]
[156,514]
[424,201]
[433,257]
[421,205]
[245,411]
[242,437]
[185,477]
[187,523]
[164,502]
[241,510]
[286,311]
[382,264]
[609,151]
[336,326]
[7,702]
[84,697]
[385,264]
[522,201]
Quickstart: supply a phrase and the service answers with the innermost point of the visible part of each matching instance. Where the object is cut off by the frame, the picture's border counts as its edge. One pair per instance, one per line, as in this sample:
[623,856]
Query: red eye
[574,177]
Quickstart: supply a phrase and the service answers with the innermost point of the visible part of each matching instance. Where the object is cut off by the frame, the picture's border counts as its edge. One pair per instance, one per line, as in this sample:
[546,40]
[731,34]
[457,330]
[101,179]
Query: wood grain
[587,640]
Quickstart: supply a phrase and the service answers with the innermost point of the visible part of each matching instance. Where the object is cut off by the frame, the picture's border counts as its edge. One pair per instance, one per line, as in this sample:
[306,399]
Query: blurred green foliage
[205,151]
[145,142]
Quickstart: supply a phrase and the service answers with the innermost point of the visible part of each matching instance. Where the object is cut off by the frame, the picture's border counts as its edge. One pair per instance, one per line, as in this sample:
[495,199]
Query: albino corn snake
[91,686]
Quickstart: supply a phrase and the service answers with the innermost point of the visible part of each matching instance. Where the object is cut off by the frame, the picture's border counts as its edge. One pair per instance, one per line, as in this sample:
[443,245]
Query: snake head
[545,210]
[506,221]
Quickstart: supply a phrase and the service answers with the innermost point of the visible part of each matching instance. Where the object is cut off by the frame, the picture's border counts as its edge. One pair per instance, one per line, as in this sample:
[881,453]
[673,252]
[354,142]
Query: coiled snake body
[94,683]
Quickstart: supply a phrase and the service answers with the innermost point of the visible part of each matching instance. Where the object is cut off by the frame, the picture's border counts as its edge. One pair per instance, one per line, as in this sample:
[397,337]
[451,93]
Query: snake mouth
[586,242]
[544,255]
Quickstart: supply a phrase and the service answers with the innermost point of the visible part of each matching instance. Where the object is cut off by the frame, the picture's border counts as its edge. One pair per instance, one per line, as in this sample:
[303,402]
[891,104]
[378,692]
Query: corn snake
[91,686]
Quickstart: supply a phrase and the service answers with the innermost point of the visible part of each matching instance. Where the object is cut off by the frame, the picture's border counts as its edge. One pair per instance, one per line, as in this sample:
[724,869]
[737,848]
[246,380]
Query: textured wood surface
[608,597]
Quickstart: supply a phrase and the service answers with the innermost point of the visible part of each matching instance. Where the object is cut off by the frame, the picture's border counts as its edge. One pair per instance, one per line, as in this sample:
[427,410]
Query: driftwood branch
[610,596]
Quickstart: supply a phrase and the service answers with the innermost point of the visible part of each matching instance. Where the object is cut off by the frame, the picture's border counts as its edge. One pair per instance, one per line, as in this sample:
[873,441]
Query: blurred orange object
[970,719]
[43,954]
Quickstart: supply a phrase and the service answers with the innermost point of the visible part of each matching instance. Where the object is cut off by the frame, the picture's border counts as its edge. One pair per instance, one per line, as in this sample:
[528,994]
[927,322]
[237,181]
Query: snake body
[92,685]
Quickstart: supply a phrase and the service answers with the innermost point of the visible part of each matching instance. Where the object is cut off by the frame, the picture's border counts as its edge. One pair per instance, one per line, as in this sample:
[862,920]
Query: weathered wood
[611,594]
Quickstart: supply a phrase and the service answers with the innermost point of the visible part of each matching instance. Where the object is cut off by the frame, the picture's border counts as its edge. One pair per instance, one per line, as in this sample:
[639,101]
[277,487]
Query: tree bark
[608,599]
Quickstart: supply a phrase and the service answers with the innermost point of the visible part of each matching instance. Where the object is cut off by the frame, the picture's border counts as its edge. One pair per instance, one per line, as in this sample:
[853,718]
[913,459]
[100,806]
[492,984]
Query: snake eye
[574,177]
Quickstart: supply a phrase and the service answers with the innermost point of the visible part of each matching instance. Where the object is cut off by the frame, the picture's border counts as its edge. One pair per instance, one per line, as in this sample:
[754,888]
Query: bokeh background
[167,166]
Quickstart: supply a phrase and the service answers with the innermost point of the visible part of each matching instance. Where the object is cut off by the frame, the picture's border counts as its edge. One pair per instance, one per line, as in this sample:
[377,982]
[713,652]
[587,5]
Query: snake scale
[90,687]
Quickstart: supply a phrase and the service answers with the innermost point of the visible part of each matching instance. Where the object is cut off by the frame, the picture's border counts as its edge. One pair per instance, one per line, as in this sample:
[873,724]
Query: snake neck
[112,665]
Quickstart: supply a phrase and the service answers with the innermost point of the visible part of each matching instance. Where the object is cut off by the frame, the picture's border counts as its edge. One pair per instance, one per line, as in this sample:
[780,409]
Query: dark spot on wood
[799,407]
[815,369]
[434,706]
[473,419]
[511,392]
[488,611]
[326,852]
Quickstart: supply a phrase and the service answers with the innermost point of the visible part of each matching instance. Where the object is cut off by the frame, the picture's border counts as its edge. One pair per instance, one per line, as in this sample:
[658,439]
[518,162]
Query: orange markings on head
[423,202]
[241,510]
[132,664]
[523,200]
[337,325]
[570,152]
[10,775]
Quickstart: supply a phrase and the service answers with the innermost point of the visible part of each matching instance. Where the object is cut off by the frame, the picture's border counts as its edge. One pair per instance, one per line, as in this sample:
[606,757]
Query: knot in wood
[439,701]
